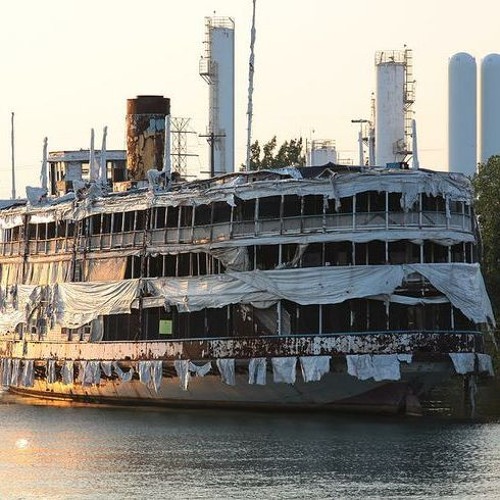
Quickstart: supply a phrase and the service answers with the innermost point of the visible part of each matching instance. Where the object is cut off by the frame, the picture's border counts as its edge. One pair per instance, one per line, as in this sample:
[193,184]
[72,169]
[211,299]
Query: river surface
[89,453]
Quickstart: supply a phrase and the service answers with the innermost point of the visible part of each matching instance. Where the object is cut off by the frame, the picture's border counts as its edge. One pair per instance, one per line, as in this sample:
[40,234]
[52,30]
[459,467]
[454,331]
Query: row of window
[273,207]
[287,318]
[268,257]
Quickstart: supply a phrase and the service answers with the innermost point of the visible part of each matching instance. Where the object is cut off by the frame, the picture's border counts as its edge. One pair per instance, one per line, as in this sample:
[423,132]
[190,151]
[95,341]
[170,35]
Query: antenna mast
[250,88]
[12,157]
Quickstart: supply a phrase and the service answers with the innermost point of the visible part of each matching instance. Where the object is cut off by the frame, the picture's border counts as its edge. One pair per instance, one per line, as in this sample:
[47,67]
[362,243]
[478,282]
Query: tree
[287,155]
[487,186]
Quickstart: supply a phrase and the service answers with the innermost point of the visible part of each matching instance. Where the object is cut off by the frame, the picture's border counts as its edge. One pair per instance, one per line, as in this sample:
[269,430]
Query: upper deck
[306,205]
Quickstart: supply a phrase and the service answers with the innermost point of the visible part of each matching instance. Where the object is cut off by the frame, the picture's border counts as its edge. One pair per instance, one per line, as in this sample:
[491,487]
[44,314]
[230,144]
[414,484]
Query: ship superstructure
[347,286]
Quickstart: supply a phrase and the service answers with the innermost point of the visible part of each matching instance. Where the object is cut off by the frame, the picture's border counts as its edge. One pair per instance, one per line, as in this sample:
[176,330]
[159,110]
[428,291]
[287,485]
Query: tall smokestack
[146,134]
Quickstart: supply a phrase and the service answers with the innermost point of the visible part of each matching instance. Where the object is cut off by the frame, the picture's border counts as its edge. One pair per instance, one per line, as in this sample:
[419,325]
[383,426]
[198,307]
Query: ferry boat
[331,287]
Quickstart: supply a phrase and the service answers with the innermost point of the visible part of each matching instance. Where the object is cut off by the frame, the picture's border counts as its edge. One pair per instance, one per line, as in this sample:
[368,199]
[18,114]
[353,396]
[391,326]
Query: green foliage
[269,156]
[487,186]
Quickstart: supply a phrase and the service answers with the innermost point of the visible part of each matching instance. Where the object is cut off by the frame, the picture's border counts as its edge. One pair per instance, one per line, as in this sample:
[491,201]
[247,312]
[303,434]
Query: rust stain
[417,343]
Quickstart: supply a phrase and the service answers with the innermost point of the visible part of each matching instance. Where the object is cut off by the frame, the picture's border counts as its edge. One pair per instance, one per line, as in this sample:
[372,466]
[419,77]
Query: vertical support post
[251,68]
[43,173]
[13,163]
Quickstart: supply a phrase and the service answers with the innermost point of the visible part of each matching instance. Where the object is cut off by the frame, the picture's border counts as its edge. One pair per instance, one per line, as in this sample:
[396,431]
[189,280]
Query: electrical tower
[180,130]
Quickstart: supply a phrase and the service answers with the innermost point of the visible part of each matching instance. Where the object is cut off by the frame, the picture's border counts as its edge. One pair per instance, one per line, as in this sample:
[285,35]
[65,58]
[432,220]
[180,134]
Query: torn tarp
[485,364]
[124,376]
[378,366]
[182,369]
[68,372]
[50,370]
[200,371]
[314,367]
[325,285]
[15,374]
[226,369]
[28,374]
[465,362]
[257,368]
[151,373]
[284,370]
[76,304]
[6,371]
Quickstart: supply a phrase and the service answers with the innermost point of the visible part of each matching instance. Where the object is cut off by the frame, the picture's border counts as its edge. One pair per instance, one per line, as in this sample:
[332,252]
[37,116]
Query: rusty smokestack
[145,134]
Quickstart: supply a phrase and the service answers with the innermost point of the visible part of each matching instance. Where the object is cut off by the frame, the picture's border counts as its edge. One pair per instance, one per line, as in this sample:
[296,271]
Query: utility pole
[211,138]
[361,121]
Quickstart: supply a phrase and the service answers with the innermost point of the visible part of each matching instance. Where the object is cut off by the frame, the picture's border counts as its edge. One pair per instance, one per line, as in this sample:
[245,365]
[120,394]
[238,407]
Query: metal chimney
[146,134]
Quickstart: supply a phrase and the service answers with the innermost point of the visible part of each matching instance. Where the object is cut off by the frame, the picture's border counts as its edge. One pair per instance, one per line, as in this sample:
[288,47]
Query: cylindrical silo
[217,68]
[389,108]
[146,134]
[462,114]
[490,106]
[321,153]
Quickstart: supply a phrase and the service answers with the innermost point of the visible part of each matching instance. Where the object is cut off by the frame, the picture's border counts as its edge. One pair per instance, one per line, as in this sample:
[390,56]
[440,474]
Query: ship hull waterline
[336,392]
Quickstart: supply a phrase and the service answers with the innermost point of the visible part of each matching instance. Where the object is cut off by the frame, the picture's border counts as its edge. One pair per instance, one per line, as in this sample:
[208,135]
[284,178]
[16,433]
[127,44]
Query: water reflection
[48,452]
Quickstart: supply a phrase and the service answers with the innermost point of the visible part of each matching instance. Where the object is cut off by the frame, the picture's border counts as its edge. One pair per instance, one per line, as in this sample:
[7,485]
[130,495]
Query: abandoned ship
[332,287]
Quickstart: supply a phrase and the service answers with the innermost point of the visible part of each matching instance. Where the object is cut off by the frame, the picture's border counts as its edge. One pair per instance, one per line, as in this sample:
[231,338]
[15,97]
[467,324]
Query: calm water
[65,453]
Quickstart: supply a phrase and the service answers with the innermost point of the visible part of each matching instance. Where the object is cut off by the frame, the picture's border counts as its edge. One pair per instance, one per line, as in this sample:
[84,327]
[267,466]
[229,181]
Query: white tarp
[28,374]
[182,369]
[464,286]
[10,221]
[314,367]
[226,369]
[439,235]
[68,372]
[16,303]
[464,362]
[407,358]
[124,376]
[257,368]
[144,370]
[328,285]
[6,371]
[15,374]
[461,283]
[284,370]
[50,370]
[411,183]
[151,373]
[91,372]
[76,304]
[200,370]
[377,366]
[107,368]
[48,273]
[79,303]
[156,375]
[485,364]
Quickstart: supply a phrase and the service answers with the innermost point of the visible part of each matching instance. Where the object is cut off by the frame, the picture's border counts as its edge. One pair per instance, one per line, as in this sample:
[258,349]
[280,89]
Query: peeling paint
[425,343]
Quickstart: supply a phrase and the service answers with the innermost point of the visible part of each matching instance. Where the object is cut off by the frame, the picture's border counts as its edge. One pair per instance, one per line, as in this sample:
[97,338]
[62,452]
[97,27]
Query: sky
[68,66]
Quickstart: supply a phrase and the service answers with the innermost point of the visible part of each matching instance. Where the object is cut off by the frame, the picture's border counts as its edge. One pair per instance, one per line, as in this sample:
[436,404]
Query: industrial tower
[394,100]
[217,69]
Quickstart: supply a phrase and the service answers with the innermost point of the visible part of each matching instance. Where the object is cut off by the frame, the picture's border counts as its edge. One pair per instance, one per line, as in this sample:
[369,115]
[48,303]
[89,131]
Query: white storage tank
[389,108]
[490,107]
[217,68]
[462,114]
[321,153]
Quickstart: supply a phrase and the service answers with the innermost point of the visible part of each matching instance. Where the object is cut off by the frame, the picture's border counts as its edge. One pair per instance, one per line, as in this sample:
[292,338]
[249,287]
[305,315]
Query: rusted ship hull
[337,391]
